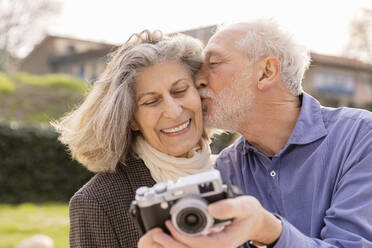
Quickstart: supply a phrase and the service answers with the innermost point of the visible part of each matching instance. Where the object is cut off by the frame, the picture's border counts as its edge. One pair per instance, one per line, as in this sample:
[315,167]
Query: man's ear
[269,71]
[134,125]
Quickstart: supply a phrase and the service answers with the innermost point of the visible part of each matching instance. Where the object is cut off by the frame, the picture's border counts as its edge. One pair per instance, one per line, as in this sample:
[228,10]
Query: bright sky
[321,25]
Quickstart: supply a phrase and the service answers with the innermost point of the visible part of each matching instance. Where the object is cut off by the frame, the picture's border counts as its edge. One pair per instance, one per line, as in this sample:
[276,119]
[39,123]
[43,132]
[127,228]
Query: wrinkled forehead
[224,41]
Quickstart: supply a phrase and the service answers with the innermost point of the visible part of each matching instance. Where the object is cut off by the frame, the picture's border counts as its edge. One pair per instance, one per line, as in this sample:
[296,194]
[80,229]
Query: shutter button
[142,190]
[160,187]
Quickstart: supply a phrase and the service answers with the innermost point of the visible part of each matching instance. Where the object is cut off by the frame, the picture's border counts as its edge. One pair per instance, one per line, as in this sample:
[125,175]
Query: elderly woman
[140,124]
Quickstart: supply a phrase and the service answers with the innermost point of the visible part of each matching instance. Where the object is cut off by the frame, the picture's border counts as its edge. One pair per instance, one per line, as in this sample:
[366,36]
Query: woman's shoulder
[102,205]
[118,185]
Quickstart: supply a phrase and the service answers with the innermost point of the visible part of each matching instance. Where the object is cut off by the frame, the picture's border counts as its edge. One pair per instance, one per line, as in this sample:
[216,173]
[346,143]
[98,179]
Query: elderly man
[306,170]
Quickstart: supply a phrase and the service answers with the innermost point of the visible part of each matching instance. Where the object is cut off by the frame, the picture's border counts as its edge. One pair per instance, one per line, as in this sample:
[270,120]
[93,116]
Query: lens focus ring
[190,215]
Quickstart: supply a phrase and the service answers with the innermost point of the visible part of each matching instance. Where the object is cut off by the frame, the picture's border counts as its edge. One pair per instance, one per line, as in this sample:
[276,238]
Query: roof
[78,39]
[92,53]
[209,27]
[51,37]
[339,61]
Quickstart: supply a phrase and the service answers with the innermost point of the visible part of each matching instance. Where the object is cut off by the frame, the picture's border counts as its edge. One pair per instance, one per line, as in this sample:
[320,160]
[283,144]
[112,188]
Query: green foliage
[6,84]
[35,167]
[52,80]
[18,222]
[41,99]
[222,140]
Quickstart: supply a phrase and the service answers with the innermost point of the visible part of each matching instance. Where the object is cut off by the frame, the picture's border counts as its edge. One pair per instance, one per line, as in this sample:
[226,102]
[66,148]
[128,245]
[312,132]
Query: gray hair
[98,132]
[264,38]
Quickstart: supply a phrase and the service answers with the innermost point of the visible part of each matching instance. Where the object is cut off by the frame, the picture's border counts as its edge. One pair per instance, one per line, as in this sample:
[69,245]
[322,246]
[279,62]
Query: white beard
[228,110]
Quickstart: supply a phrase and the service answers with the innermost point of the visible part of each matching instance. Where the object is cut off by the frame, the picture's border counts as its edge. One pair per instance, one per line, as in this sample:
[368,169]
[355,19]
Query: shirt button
[273,173]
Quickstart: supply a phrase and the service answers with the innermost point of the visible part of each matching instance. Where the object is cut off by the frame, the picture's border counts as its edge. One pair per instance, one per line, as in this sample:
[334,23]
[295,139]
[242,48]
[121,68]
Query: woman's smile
[177,130]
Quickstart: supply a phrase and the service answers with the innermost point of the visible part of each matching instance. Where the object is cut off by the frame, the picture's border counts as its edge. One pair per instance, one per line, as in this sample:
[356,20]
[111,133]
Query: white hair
[264,38]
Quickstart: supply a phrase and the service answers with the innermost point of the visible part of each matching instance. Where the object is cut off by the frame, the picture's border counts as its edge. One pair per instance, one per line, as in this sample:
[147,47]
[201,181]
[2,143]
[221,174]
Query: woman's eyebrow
[179,80]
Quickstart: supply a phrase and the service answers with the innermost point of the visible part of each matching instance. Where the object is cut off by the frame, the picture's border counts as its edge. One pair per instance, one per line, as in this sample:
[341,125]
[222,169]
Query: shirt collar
[309,126]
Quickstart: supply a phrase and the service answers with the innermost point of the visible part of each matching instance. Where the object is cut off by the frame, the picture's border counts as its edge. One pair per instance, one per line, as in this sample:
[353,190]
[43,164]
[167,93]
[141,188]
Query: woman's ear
[269,72]
[134,125]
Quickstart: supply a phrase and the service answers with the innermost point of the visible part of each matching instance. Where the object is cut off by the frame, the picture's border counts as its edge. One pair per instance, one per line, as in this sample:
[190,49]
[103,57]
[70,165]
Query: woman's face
[168,108]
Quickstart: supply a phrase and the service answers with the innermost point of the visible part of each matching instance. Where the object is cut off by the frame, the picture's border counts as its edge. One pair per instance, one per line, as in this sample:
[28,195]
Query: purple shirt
[319,184]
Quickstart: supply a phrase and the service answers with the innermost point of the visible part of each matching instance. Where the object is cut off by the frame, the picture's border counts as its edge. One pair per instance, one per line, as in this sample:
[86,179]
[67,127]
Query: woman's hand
[156,238]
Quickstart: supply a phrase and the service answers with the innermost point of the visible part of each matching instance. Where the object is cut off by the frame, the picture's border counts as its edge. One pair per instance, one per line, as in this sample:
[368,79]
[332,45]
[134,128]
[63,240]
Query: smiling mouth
[178,128]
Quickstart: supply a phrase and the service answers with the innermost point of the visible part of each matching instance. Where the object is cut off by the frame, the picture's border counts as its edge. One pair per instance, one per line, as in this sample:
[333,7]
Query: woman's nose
[201,78]
[172,108]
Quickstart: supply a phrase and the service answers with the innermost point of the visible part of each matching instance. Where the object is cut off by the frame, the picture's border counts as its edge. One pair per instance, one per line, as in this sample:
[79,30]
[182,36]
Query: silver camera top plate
[203,184]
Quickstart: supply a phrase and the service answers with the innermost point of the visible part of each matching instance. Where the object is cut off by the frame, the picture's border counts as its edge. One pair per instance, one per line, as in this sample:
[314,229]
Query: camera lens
[191,220]
[190,215]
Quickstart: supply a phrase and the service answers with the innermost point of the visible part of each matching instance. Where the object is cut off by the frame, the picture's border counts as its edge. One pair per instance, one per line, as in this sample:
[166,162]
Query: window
[335,83]
[81,72]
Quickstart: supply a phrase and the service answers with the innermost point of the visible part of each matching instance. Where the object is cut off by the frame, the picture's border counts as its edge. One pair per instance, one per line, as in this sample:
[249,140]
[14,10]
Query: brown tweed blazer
[99,211]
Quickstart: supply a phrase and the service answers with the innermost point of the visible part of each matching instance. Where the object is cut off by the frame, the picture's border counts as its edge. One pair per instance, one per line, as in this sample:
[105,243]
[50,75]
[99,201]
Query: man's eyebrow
[155,93]
[211,53]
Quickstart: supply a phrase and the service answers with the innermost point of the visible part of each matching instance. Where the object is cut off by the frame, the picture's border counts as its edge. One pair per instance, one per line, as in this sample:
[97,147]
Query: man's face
[228,96]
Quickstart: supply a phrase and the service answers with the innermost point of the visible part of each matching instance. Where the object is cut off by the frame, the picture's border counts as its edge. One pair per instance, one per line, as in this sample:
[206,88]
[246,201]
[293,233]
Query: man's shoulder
[232,151]
[347,117]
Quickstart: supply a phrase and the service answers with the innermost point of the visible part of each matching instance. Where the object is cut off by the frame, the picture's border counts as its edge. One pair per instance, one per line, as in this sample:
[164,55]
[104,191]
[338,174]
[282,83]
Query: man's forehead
[221,42]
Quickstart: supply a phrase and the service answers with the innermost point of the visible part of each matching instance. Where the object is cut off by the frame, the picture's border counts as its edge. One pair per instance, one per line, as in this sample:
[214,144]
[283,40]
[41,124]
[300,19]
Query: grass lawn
[18,222]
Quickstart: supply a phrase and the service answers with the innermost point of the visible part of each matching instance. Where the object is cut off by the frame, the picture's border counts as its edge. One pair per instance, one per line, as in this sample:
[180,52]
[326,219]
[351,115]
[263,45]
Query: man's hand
[250,222]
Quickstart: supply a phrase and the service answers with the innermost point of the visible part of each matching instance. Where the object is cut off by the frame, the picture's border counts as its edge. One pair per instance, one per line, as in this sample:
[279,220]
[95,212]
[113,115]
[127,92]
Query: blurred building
[337,81]
[334,81]
[8,63]
[56,54]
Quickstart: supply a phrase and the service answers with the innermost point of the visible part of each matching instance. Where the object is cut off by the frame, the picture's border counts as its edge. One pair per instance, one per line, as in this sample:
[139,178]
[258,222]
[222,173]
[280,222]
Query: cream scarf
[164,167]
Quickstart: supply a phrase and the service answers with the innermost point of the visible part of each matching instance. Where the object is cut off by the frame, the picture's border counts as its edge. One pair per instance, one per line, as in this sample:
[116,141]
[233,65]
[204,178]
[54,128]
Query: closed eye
[180,91]
[212,64]
[150,102]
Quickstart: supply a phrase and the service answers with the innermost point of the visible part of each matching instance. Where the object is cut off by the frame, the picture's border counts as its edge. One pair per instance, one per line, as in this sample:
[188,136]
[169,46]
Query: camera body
[185,202]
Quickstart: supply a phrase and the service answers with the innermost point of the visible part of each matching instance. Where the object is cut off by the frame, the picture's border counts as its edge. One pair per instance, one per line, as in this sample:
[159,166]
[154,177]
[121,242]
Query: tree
[21,22]
[360,37]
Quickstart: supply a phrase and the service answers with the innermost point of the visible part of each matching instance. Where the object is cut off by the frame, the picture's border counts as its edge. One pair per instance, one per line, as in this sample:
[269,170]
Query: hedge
[52,80]
[6,84]
[35,167]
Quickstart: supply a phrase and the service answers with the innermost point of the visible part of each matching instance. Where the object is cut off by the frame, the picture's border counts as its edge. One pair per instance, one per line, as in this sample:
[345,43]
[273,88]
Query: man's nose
[172,109]
[201,83]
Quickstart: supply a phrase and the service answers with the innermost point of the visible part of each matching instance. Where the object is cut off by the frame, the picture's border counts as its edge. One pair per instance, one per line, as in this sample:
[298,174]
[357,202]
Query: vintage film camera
[185,202]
